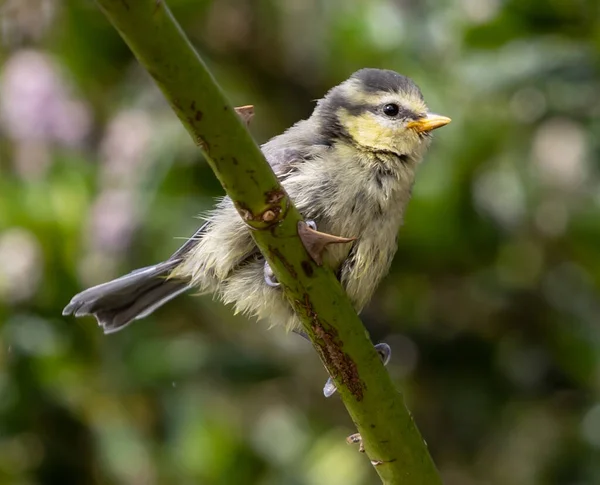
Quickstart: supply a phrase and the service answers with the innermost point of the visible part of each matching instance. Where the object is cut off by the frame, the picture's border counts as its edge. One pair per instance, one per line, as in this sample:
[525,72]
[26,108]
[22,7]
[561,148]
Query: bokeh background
[492,306]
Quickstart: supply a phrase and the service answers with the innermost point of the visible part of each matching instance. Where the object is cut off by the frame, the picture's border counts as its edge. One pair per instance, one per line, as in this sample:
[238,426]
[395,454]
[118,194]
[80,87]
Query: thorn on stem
[315,242]
[356,438]
[246,113]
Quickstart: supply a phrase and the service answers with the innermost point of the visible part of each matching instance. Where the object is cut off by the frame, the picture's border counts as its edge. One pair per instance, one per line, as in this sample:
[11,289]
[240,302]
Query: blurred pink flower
[36,105]
[124,148]
[25,19]
[125,158]
[112,220]
[20,265]
[560,152]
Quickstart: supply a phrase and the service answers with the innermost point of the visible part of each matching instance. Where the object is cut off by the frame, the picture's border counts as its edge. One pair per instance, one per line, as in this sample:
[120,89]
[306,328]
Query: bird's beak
[430,122]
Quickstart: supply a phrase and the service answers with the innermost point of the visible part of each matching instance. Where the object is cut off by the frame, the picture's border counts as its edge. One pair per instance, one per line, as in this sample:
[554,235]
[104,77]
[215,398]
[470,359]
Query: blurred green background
[492,306]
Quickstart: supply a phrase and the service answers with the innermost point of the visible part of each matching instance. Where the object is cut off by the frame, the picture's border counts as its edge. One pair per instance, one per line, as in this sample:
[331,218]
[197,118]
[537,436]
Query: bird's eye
[391,109]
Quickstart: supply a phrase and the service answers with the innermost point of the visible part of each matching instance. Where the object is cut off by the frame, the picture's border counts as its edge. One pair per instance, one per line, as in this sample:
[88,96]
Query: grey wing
[117,303]
[283,152]
[282,161]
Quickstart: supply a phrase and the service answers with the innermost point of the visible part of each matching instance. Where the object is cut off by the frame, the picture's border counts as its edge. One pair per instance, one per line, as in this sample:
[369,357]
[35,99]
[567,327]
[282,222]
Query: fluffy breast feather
[353,194]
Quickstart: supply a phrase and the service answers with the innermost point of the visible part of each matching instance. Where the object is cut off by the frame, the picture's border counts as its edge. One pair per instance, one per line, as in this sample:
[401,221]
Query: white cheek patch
[387,123]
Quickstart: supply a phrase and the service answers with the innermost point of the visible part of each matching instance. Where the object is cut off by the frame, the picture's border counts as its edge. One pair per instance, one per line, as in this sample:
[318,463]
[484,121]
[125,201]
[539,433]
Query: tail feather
[136,295]
[119,302]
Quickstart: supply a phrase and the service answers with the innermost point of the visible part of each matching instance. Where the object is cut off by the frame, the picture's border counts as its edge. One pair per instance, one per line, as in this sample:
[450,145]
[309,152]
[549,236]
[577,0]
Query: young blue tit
[349,168]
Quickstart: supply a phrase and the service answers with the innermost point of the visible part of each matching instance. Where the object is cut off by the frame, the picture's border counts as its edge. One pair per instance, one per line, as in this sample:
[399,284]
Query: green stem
[389,434]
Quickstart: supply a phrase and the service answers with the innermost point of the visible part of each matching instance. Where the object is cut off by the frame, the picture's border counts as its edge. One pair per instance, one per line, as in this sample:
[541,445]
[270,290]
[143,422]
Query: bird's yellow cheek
[367,131]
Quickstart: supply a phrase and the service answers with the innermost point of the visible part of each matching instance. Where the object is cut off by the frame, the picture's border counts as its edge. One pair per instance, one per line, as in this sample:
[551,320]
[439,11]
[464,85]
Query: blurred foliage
[492,305]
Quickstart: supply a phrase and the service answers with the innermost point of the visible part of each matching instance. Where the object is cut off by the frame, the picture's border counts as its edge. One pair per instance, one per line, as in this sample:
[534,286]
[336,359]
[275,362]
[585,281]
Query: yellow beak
[430,122]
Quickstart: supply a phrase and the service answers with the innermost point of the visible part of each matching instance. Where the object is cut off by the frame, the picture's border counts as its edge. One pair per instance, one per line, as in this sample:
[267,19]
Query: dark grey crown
[376,80]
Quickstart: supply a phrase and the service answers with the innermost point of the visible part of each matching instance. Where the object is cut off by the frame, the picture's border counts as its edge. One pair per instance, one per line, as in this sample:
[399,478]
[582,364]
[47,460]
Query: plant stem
[390,437]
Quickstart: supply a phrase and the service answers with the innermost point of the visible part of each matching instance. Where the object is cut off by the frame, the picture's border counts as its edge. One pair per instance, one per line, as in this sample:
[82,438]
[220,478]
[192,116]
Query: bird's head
[379,111]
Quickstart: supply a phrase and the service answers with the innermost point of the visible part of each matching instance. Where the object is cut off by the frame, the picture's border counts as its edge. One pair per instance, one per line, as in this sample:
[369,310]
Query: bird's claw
[315,242]
[384,351]
[311,224]
[270,278]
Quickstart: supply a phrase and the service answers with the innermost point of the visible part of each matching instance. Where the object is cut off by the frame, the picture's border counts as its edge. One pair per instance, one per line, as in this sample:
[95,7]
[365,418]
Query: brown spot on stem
[338,363]
[307,268]
[268,216]
[251,176]
[271,216]
[274,196]
[199,115]
[275,253]
[244,211]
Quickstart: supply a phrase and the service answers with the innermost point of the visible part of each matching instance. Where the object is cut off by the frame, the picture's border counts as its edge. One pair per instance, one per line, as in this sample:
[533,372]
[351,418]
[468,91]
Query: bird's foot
[384,351]
[270,278]
[315,242]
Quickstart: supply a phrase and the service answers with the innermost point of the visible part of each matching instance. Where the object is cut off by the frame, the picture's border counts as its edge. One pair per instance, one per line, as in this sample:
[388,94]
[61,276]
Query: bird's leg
[383,349]
[315,242]
[270,278]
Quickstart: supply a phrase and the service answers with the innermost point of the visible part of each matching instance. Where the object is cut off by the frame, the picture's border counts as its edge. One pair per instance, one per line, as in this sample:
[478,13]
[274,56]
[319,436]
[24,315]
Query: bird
[349,168]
